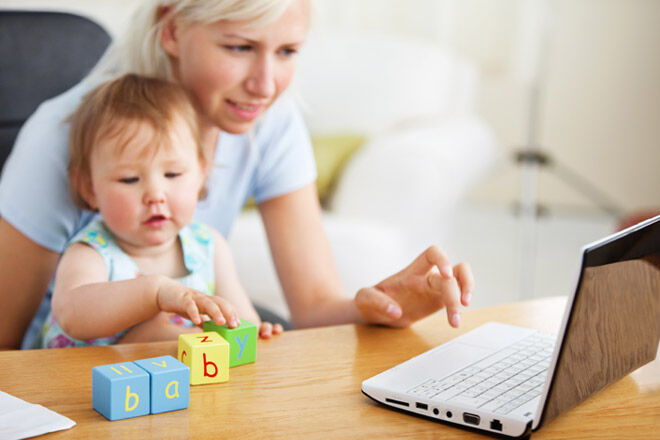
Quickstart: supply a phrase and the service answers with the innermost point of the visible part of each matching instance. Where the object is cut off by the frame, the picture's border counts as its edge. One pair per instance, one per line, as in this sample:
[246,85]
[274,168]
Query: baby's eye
[172,174]
[129,180]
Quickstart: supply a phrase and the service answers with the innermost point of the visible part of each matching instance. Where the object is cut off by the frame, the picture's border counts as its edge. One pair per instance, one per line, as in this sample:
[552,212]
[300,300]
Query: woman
[235,58]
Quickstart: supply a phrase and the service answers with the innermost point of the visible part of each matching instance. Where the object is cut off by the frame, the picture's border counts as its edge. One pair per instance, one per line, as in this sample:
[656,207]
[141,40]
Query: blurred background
[419,109]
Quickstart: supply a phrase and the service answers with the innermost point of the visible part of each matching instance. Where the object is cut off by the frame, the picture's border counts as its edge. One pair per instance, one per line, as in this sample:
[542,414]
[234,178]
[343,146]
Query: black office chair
[42,54]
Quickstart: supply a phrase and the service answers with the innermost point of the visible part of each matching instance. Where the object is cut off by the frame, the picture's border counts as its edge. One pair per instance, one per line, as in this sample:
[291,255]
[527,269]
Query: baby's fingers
[190,309]
[221,311]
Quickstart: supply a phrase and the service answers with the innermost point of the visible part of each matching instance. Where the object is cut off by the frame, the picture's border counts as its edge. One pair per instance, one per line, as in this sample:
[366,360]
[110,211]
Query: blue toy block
[170,383]
[120,391]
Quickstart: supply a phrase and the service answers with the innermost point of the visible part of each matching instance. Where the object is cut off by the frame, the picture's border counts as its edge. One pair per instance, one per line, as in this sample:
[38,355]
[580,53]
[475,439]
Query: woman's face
[236,71]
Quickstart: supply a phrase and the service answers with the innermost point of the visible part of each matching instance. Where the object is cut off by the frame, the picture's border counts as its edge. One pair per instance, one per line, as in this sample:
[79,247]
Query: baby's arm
[228,286]
[87,306]
[157,328]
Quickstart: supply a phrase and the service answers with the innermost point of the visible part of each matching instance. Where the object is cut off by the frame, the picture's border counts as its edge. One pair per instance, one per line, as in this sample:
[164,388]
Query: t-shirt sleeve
[286,158]
[34,195]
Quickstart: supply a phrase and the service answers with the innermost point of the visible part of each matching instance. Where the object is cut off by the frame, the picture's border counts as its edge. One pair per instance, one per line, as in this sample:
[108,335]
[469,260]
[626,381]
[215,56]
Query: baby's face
[146,193]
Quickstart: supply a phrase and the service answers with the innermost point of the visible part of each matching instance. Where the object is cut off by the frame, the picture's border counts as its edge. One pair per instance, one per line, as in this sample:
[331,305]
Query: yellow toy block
[207,356]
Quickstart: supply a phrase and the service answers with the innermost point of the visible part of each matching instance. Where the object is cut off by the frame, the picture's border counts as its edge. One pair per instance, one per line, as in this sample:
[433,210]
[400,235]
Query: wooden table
[306,384]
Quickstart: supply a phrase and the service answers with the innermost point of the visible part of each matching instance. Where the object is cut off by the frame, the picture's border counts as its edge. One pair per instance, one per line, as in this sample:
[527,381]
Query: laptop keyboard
[499,383]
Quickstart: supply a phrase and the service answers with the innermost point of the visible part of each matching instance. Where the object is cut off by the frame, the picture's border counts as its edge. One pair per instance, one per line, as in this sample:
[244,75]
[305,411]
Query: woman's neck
[209,138]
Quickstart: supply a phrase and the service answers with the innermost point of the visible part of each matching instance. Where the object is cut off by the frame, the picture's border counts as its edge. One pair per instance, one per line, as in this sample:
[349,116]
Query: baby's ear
[82,185]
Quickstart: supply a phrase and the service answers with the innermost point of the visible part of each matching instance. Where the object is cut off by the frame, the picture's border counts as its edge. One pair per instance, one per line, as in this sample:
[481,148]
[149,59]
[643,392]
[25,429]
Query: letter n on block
[120,391]
[170,383]
[242,341]
[207,355]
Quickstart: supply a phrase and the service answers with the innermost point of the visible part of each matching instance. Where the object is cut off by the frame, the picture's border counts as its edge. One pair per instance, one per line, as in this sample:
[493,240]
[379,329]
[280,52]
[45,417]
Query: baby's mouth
[156,220]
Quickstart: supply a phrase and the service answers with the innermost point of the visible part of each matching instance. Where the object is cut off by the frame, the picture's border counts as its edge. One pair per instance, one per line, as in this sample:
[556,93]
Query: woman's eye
[172,175]
[129,180]
[240,48]
[288,52]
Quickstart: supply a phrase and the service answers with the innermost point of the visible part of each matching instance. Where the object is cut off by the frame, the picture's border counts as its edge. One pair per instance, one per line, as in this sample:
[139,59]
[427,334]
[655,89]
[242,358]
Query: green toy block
[242,341]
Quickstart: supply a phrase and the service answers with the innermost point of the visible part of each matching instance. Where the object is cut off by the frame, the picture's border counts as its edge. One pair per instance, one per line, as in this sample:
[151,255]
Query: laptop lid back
[612,324]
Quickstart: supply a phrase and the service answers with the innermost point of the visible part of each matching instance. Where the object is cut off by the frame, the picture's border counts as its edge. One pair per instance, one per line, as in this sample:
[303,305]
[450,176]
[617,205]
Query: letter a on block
[170,383]
[207,355]
[168,393]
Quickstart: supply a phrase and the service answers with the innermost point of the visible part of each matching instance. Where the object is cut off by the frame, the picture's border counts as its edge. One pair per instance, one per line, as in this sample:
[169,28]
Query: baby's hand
[173,296]
[266,330]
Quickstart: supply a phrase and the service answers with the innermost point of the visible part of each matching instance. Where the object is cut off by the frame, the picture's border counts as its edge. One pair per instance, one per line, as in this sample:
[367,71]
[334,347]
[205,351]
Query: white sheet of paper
[20,419]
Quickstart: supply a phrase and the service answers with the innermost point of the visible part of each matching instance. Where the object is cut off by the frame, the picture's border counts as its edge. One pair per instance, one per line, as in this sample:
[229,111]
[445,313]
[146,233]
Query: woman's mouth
[245,111]
[156,221]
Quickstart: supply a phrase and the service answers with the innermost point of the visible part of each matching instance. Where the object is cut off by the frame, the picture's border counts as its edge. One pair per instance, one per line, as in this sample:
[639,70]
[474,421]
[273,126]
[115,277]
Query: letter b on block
[242,341]
[207,355]
[120,391]
[170,383]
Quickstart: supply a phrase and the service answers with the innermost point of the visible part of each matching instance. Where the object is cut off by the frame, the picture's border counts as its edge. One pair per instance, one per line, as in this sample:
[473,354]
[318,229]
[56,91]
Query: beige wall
[600,111]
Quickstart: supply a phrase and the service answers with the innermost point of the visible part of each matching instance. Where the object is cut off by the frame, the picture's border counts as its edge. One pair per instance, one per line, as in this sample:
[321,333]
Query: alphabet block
[207,355]
[242,341]
[169,382]
[120,391]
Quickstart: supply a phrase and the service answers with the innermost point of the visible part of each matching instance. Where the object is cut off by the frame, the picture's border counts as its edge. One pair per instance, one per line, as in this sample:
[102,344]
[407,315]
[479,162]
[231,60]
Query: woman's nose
[261,79]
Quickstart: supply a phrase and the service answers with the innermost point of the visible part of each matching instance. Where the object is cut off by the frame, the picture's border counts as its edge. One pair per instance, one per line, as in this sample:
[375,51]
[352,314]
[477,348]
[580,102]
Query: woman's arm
[228,285]
[87,306]
[304,263]
[303,260]
[25,271]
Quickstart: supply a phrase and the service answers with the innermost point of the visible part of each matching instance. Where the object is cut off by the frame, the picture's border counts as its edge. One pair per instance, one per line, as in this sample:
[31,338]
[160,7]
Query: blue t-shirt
[34,195]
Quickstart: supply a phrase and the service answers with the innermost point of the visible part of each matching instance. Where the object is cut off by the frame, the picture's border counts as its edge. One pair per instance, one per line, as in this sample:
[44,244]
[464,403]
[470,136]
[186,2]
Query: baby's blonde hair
[139,49]
[107,112]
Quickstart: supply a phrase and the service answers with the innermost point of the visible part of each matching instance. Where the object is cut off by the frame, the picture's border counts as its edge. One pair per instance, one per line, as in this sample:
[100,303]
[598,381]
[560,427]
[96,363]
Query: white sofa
[426,145]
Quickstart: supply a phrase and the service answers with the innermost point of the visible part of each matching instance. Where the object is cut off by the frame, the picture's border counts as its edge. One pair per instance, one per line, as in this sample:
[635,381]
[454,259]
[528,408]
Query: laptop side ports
[471,419]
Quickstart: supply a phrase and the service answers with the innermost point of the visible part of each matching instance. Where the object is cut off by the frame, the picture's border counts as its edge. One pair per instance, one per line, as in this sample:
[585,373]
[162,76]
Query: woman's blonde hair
[139,49]
[108,111]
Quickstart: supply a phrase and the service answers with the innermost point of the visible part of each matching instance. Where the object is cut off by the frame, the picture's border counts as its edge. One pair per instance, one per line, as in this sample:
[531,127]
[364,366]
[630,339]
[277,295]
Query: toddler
[136,158]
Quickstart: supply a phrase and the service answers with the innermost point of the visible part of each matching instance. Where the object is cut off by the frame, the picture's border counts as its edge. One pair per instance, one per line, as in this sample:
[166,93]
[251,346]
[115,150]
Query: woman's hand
[428,284]
[173,296]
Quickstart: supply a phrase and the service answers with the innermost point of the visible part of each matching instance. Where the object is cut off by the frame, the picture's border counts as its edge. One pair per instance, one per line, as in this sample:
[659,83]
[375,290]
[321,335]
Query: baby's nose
[153,196]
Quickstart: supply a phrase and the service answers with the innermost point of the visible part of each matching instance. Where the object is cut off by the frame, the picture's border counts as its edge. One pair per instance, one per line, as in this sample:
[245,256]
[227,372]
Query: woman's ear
[169,30]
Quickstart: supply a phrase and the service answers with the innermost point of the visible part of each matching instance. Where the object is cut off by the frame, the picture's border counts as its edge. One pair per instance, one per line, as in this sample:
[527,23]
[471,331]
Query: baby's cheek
[119,213]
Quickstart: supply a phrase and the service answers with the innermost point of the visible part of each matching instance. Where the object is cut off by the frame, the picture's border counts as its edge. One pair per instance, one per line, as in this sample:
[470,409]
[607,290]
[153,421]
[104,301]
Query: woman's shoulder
[282,118]
[58,108]
[47,128]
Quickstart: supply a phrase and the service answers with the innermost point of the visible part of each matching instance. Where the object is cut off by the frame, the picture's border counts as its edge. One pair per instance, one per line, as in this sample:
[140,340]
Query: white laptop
[508,380]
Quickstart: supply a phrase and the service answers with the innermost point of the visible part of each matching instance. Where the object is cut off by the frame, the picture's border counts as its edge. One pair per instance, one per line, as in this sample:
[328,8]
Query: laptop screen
[639,243]
[612,325]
